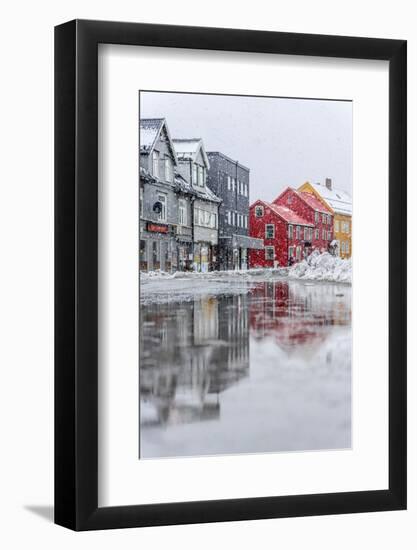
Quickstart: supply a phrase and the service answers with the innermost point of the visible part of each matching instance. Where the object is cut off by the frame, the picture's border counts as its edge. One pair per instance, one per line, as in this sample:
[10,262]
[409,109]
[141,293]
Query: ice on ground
[259,273]
[322,267]
[159,286]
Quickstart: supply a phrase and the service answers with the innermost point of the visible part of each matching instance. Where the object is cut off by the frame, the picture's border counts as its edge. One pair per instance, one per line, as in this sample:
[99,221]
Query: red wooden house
[292,226]
[314,212]
[283,231]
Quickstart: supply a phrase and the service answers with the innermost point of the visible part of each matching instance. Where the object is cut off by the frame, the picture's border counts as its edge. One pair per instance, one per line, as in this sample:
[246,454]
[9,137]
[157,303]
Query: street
[243,363]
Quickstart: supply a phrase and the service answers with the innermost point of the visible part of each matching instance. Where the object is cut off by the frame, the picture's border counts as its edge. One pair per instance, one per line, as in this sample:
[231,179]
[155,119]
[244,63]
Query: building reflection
[190,352]
[299,317]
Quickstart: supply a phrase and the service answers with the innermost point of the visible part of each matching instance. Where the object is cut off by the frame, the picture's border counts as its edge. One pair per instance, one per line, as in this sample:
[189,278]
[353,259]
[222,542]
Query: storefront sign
[157,228]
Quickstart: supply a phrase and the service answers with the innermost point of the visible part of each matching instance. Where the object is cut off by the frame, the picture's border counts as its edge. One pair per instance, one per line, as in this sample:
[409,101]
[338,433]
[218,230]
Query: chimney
[329,183]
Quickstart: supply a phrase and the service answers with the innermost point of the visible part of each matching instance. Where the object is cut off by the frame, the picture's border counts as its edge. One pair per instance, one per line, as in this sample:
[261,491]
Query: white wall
[26,301]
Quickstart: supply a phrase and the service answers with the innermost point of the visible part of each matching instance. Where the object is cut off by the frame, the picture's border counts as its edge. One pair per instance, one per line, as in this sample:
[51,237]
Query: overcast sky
[284,142]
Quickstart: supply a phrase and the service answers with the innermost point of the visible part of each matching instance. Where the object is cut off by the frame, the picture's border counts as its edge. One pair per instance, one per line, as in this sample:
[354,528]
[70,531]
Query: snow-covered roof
[149,132]
[188,149]
[145,175]
[340,201]
[184,186]
[288,215]
[312,201]
[283,212]
[207,194]
[308,198]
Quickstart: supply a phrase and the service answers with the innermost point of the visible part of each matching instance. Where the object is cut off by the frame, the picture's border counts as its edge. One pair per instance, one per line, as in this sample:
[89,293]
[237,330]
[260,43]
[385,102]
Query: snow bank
[249,274]
[322,267]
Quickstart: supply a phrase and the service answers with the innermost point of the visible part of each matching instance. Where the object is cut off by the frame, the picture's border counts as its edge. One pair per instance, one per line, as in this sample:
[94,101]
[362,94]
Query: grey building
[229,180]
[193,167]
[158,201]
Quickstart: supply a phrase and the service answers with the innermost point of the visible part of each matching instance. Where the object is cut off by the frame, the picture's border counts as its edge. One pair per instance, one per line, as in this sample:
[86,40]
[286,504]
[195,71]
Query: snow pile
[260,274]
[323,267]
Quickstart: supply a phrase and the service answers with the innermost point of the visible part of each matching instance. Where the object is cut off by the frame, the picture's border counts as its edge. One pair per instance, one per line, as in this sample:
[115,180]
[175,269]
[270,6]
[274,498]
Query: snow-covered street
[246,361]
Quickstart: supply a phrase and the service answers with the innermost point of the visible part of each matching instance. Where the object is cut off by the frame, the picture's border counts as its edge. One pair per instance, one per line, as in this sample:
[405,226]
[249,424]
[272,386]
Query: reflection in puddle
[264,370]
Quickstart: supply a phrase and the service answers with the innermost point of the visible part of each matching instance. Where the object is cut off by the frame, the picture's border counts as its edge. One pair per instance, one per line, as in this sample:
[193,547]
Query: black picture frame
[76,272]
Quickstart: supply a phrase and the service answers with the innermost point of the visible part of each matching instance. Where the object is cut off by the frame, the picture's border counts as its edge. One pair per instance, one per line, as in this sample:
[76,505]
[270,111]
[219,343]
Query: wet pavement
[260,366]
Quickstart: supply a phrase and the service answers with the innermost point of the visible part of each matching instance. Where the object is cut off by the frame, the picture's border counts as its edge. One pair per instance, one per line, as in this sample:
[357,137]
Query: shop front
[204,257]
[241,244]
[157,248]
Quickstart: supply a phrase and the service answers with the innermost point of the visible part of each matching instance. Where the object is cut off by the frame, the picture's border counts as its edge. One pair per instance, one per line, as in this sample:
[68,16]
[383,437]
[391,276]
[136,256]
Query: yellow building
[340,203]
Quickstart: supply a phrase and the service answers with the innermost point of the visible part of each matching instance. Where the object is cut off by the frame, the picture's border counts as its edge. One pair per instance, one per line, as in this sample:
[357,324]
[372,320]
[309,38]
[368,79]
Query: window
[323,234]
[141,201]
[342,246]
[317,234]
[194,174]
[290,251]
[182,212]
[245,189]
[205,218]
[297,232]
[298,253]
[347,247]
[290,232]
[200,171]
[162,216]
[229,217]
[306,233]
[229,183]
[329,235]
[336,226]
[233,184]
[324,218]
[269,253]
[168,169]
[259,211]
[289,199]
[155,164]
[316,217]
[269,231]
[246,222]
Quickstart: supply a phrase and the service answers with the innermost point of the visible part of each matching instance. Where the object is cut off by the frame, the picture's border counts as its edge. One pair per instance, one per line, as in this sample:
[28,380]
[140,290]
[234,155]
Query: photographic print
[245,267]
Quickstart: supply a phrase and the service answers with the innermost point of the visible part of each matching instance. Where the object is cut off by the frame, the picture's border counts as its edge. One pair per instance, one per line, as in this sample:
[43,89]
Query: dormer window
[194,174]
[259,211]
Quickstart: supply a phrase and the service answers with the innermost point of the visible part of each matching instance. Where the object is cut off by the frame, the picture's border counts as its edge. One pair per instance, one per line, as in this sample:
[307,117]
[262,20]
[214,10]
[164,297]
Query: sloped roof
[288,215]
[283,212]
[188,149]
[207,194]
[308,198]
[312,201]
[145,175]
[340,201]
[149,132]
[184,186]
